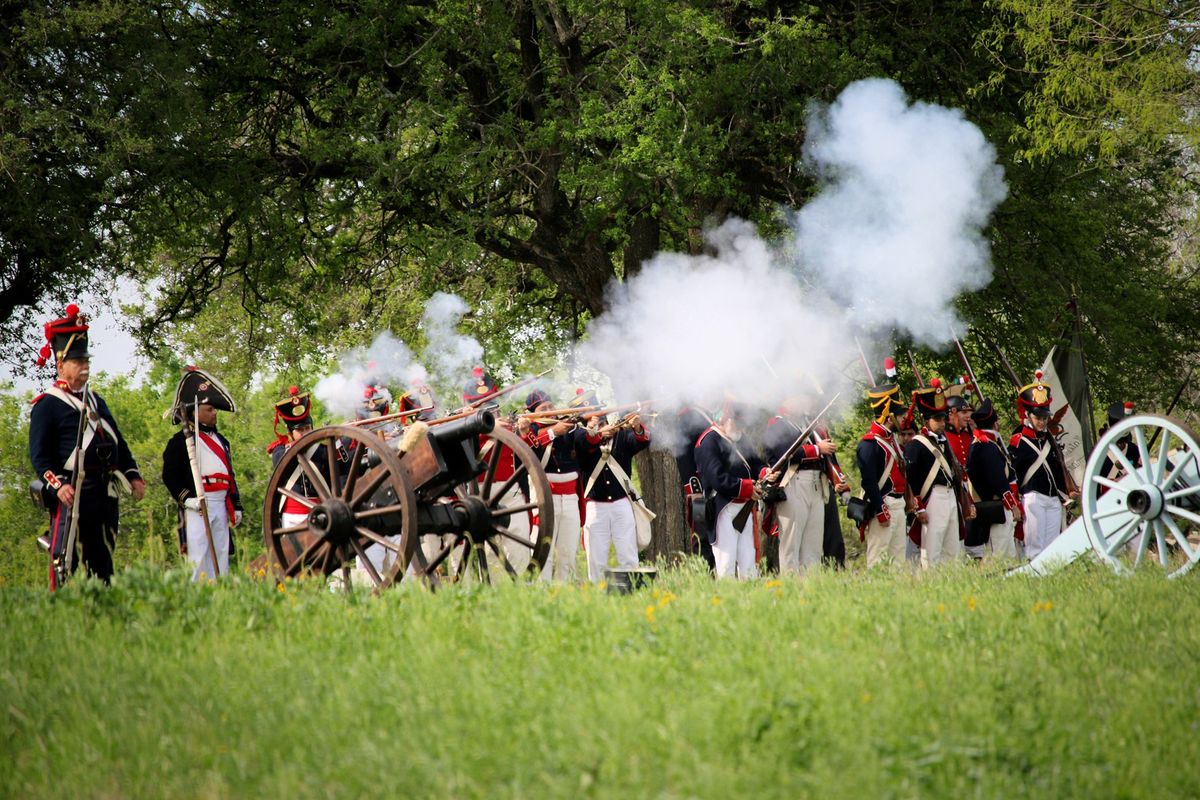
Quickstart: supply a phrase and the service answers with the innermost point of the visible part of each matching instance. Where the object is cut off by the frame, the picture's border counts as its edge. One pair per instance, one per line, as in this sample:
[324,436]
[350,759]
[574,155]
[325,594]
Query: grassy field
[956,684]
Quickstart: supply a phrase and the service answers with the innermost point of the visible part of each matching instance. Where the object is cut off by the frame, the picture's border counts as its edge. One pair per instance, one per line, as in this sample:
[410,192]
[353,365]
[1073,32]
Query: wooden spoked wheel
[494,540]
[355,498]
[1147,493]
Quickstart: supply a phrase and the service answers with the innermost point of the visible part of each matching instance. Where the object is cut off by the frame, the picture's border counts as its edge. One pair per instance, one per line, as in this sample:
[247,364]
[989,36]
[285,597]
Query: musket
[1012,373]
[388,417]
[77,485]
[739,520]
[507,389]
[916,372]
[191,435]
[962,355]
[555,412]
[866,364]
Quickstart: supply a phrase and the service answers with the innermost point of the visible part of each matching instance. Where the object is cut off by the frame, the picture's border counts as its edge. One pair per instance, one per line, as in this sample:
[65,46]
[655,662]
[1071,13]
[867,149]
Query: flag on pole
[1066,375]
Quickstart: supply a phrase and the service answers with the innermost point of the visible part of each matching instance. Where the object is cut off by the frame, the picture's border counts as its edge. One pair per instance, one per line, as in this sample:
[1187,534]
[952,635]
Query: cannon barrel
[461,430]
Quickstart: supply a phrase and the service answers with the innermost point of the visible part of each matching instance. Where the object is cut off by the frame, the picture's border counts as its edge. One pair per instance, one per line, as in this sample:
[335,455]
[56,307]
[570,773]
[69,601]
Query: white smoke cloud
[893,236]
[896,230]
[387,362]
[450,354]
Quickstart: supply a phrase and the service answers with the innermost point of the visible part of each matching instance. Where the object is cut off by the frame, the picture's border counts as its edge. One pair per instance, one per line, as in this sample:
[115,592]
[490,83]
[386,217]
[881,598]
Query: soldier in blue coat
[729,471]
[80,457]
[994,483]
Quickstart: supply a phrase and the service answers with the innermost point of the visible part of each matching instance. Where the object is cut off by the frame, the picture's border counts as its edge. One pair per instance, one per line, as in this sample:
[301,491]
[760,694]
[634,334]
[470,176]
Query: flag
[1066,375]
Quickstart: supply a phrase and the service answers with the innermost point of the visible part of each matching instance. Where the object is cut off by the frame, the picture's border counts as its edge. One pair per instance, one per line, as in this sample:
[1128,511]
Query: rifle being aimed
[496,395]
[776,469]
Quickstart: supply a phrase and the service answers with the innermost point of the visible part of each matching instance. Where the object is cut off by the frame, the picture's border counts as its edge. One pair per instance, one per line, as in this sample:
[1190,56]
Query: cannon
[437,503]
[1152,499]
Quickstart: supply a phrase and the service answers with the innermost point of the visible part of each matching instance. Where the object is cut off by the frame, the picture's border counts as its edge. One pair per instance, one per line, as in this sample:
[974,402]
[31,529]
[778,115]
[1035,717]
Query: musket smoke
[896,230]
[388,362]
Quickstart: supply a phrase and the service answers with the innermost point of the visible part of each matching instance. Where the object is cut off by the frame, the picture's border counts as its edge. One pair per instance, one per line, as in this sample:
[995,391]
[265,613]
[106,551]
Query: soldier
[881,466]
[605,456]
[959,434]
[78,452]
[480,388]
[198,398]
[554,445]
[802,511]
[729,471]
[295,411]
[690,422]
[1111,468]
[1037,463]
[933,475]
[992,479]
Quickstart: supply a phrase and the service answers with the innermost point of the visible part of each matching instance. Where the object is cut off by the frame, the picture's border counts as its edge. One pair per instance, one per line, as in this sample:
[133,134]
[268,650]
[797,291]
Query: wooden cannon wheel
[493,542]
[1156,495]
[369,501]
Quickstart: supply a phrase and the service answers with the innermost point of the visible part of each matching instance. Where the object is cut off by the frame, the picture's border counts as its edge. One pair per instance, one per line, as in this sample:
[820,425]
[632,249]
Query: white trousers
[734,550]
[1001,544]
[518,555]
[560,565]
[887,540]
[1043,522]
[609,524]
[801,523]
[939,534]
[197,540]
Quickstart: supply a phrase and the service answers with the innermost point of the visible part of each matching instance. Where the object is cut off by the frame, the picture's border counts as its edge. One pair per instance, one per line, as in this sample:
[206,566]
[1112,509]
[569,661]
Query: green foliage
[1110,76]
[953,684]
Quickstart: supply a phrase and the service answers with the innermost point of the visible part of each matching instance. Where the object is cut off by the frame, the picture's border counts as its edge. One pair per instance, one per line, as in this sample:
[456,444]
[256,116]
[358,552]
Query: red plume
[889,367]
[293,390]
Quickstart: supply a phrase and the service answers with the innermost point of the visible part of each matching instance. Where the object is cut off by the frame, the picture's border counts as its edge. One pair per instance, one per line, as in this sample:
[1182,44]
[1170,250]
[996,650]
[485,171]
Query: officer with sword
[198,472]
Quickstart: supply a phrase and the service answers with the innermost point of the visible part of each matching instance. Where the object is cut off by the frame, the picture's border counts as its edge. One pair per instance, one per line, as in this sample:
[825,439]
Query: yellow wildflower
[941,608]
[716,601]
[650,614]
[771,584]
[971,603]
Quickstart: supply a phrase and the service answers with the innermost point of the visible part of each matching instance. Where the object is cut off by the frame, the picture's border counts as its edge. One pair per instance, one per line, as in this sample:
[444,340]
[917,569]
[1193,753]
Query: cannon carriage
[441,502]
[1146,508]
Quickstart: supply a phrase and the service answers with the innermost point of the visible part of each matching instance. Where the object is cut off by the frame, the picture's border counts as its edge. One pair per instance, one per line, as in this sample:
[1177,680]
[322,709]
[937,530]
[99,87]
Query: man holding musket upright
[198,472]
[881,465]
[934,478]
[993,480]
[802,511]
[79,455]
[1037,462]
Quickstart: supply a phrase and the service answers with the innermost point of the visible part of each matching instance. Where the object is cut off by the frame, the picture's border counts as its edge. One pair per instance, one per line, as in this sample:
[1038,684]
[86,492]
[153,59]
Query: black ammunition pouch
[41,494]
[773,494]
[856,511]
[989,513]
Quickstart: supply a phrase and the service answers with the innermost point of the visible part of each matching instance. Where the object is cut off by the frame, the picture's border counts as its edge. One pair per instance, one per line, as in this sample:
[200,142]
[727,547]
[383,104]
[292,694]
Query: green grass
[954,684]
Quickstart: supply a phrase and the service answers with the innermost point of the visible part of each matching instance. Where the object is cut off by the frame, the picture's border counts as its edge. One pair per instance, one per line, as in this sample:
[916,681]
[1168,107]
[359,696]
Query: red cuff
[762,473]
[1010,500]
[52,480]
[542,437]
[644,436]
[593,438]
[746,491]
[884,515]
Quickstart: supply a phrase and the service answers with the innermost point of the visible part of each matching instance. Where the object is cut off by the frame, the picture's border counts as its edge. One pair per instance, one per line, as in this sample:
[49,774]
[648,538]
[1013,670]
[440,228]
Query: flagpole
[1090,427]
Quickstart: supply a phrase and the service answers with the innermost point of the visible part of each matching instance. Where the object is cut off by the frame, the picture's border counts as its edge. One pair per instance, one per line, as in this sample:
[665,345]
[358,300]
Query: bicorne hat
[197,387]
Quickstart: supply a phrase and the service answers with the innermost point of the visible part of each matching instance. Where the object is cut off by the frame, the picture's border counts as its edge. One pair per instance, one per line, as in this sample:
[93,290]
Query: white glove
[237,517]
[192,504]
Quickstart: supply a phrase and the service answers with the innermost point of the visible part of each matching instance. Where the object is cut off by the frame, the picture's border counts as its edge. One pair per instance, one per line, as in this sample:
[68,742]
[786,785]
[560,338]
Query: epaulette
[1016,439]
[34,401]
[271,447]
[980,436]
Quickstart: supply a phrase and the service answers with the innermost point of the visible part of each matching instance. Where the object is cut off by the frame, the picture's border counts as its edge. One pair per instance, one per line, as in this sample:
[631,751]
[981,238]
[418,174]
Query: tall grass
[952,684]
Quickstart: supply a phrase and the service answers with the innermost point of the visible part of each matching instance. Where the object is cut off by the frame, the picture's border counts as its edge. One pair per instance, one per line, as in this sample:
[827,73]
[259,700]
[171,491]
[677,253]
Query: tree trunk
[660,485]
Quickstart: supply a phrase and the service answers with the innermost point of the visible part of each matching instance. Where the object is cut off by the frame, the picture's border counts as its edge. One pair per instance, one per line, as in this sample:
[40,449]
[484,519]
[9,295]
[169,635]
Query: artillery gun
[1153,499]
[432,501]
